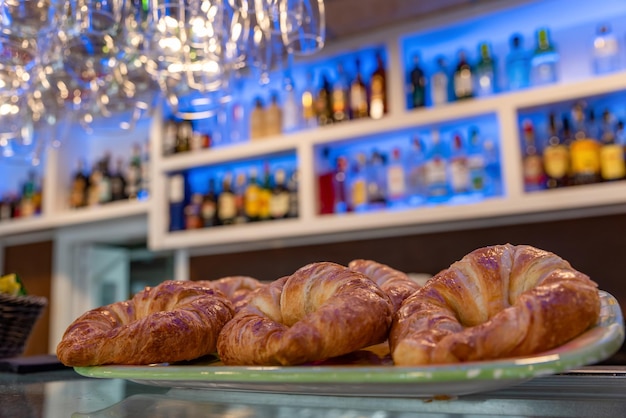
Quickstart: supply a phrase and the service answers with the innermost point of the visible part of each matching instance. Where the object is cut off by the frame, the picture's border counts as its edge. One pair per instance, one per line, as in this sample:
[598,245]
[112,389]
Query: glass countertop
[596,391]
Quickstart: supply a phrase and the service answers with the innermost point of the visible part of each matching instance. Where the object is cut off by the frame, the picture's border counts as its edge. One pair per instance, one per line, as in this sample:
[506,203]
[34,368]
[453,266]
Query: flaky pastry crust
[396,284]
[323,310]
[238,289]
[171,322]
[498,301]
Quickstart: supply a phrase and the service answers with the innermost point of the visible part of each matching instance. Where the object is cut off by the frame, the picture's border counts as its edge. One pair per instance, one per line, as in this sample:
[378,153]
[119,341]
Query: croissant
[498,301]
[238,289]
[396,284]
[173,321]
[322,310]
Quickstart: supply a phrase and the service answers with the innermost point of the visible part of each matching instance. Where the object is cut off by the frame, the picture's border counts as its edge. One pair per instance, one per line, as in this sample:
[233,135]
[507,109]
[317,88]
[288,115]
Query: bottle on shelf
[545,59]
[257,120]
[79,187]
[325,183]
[493,172]
[93,191]
[606,50]
[291,110]
[612,164]
[184,135]
[340,184]
[279,199]
[240,191]
[5,208]
[485,72]
[28,202]
[396,179]
[170,134]
[208,209]
[323,102]
[265,194]
[226,202]
[133,174]
[517,64]
[273,117]
[340,96]
[292,187]
[309,117]
[462,79]
[440,83]
[105,195]
[378,89]
[376,174]
[415,167]
[532,163]
[476,161]
[584,151]
[144,172]
[458,166]
[176,199]
[358,94]
[252,196]
[193,212]
[417,84]
[358,184]
[556,155]
[436,171]
[118,181]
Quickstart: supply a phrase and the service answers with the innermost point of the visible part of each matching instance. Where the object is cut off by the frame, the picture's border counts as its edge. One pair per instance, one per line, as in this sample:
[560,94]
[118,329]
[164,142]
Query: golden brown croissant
[238,289]
[323,310]
[173,321]
[498,301]
[396,284]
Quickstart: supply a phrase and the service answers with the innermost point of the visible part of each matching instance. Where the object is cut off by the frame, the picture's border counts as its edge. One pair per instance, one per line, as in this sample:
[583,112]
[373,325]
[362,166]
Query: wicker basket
[18,315]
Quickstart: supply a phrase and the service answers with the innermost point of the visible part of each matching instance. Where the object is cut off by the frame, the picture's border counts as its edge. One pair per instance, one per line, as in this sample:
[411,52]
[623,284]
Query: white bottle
[605,51]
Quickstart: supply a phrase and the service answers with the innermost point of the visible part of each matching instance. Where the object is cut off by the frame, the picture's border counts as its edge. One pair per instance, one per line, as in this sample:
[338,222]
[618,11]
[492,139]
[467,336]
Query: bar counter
[593,391]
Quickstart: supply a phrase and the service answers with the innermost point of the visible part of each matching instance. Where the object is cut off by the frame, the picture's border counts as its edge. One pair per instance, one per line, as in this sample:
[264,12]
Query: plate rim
[606,338]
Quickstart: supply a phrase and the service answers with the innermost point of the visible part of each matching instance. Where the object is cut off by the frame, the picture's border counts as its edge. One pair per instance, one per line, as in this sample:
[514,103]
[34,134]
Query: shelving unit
[444,34]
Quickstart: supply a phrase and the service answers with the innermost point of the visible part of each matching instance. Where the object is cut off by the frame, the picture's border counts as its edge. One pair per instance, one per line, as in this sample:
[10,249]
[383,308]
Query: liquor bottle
[240,191]
[358,95]
[291,111]
[196,141]
[340,185]
[144,172]
[309,117]
[396,179]
[118,182]
[208,210]
[192,211]
[358,185]
[5,208]
[105,179]
[265,194]
[176,198]
[485,72]
[458,166]
[435,171]
[544,61]
[257,120]
[462,79]
[415,166]
[493,173]
[378,89]
[227,202]
[584,151]
[325,183]
[556,162]
[133,174]
[476,161]
[279,200]
[606,51]
[440,83]
[376,174]
[170,133]
[184,136]
[612,165]
[323,102]
[251,197]
[532,164]
[273,117]
[27,202]
[517,64]
[340,96]
[292,187]
[417,84]
[93,192]
[79,187]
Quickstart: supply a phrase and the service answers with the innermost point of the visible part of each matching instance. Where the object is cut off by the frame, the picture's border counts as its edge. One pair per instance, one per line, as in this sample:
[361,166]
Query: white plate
[596,344]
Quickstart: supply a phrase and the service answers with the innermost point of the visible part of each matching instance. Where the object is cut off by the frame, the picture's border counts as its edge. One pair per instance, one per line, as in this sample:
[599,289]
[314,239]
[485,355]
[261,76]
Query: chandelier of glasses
[88,61]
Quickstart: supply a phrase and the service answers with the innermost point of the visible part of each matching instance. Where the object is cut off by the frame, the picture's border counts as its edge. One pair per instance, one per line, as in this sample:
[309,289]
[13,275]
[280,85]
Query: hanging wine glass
[30,17]
[303,25]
